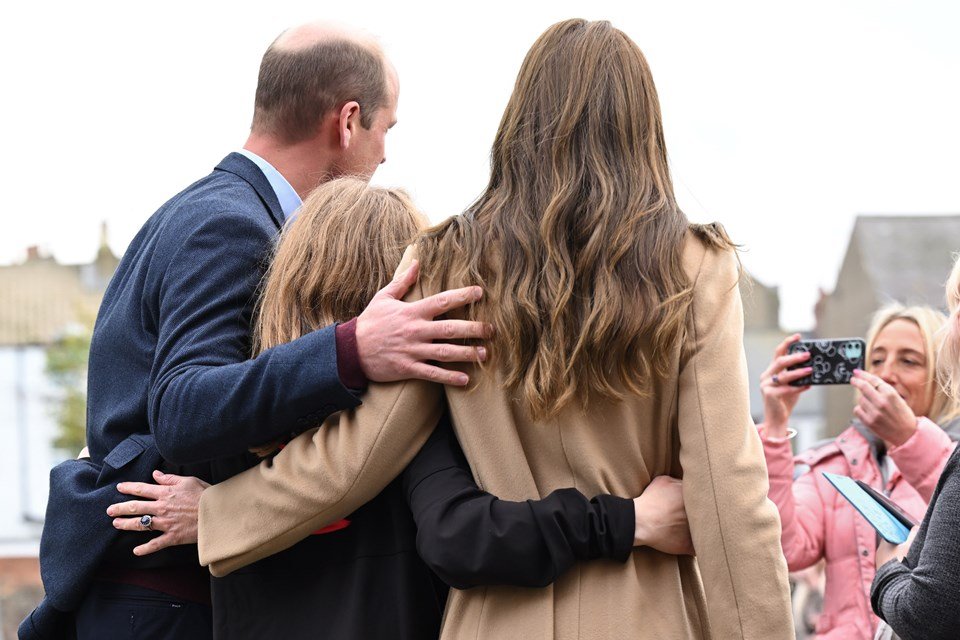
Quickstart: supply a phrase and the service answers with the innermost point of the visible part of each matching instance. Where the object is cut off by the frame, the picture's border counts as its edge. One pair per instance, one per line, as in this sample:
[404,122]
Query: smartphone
[889,505]
[833,360]
[889,526]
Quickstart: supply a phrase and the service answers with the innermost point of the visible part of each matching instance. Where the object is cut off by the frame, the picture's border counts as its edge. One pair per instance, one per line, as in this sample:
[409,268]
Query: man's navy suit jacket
[170,379]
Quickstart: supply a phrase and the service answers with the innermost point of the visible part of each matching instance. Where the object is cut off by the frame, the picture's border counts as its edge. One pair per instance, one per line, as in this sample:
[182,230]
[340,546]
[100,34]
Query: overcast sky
[783,120]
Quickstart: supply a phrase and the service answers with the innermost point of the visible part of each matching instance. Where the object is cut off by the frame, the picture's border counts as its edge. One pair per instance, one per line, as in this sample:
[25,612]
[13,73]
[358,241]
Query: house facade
[40,300]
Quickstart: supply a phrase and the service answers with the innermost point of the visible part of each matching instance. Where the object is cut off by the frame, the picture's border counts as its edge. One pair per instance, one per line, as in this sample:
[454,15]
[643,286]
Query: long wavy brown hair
[342,248]
[577,238]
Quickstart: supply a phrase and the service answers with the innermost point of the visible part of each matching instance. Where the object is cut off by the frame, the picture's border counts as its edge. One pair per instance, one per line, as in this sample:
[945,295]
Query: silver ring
[146,522]
[776,380]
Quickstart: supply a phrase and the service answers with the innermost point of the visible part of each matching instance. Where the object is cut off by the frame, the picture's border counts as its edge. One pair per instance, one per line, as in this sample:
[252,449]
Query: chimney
[33,253]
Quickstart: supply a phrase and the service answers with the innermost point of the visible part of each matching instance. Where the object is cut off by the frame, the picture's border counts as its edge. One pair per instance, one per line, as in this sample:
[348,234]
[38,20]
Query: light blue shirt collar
[289,200]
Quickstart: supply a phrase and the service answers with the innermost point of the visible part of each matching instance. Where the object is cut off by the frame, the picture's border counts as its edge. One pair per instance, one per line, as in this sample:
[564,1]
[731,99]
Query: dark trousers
[113,610]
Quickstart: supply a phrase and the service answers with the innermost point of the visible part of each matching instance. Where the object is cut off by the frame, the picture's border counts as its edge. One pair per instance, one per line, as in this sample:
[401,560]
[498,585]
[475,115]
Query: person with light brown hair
[333,258]
[617,358]
[898,441]
[170,381]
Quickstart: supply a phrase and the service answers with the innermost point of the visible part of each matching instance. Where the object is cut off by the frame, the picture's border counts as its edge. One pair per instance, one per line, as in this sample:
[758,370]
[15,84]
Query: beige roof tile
[40,298]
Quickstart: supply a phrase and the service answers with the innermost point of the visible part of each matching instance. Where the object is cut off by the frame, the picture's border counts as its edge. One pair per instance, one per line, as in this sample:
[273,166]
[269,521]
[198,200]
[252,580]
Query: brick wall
[20,591]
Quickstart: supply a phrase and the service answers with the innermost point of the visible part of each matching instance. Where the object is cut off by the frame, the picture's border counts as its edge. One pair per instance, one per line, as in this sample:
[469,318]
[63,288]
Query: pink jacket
[818,523]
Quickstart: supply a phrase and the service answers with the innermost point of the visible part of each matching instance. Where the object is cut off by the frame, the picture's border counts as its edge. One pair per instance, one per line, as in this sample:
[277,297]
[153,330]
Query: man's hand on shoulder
[395,339]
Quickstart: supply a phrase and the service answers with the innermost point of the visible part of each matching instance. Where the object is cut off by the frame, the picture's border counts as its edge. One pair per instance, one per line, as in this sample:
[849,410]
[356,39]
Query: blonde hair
[929,321]
[577,239]
[342,248]
[948,360]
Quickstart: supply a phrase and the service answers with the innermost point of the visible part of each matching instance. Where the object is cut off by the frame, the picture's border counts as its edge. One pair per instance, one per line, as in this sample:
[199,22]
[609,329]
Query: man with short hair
[170,378]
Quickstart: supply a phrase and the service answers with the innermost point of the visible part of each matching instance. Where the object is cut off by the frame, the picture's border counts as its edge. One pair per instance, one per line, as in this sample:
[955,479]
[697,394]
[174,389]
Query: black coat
[368,581]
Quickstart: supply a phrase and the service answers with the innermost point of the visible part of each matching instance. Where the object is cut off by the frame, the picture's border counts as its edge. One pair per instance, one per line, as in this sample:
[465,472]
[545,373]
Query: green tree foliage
[67,368]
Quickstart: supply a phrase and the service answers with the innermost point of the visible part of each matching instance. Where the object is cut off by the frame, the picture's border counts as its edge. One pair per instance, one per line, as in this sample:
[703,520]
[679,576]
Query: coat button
[865,553]
[854,461]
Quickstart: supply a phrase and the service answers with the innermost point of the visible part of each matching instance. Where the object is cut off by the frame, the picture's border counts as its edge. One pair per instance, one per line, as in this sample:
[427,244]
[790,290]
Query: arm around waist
[470,537]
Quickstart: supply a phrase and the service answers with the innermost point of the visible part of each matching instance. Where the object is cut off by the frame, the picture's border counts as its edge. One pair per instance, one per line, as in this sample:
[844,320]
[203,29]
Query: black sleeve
[470,538]
[919,597]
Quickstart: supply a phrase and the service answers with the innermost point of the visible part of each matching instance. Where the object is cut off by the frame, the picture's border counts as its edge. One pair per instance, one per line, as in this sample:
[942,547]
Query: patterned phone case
[833,361]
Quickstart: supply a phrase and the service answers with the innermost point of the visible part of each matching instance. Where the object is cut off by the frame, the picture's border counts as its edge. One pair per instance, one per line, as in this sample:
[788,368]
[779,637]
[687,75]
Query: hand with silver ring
[779,396]
[171,507]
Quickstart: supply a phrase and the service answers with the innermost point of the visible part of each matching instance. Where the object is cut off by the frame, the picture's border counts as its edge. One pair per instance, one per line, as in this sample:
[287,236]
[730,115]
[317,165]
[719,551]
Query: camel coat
[697,419]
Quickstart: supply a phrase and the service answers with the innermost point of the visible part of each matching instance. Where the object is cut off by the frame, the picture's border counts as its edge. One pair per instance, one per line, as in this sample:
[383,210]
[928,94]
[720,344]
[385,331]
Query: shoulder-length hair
[929,321]
[577,238]
[342,248]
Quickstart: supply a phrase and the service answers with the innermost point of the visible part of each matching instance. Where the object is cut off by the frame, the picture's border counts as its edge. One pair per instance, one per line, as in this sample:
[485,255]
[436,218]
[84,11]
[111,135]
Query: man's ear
[348,122]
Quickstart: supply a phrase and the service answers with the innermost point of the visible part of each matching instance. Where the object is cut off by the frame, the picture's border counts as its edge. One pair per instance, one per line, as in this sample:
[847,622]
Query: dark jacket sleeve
[470,538]
[77,534]
[207,399]
[919,597]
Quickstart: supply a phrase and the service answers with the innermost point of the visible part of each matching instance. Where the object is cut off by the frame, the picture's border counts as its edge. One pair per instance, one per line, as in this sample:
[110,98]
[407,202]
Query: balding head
[312,33]
[311,70]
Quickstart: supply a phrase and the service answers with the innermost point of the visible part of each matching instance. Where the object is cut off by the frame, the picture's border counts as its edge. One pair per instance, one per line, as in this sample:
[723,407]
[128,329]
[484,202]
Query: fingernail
[110,511]
[462,379]
[477,293]
[482,352]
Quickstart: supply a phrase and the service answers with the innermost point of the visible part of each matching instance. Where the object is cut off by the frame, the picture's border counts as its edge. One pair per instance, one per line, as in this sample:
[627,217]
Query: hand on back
[171,506]
[661,519]
[395,339]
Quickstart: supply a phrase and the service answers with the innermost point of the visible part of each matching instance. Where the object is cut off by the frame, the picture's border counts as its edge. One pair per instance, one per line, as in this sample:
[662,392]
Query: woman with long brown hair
[617,358]
[327,266]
